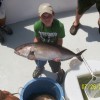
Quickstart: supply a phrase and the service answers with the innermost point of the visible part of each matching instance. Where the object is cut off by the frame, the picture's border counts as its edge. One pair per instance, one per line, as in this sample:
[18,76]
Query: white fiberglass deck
[15,70]
[71,85]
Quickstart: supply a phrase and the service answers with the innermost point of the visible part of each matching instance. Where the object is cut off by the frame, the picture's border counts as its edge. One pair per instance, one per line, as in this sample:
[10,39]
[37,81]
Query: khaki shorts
[84,5]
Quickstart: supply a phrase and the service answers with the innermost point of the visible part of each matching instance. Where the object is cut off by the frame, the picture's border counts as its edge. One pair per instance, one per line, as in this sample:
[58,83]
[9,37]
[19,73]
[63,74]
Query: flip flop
[74,29]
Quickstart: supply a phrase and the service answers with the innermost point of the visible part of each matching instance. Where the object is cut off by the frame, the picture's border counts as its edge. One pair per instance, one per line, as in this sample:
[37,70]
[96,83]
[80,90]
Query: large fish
[43,51]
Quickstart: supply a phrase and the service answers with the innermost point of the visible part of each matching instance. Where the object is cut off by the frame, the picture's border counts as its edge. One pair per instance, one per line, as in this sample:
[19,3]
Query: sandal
[74,29]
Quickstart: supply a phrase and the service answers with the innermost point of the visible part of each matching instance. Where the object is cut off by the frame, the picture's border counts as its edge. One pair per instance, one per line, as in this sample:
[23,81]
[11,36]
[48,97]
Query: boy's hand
[56,59]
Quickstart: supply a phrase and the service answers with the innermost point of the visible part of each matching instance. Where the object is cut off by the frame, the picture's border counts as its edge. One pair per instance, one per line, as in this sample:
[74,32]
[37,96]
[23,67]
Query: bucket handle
[17,92]
[63,97]
[20,90]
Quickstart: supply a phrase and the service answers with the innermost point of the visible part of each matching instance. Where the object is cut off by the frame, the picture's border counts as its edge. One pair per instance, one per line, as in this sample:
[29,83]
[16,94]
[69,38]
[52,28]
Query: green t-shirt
[49,34]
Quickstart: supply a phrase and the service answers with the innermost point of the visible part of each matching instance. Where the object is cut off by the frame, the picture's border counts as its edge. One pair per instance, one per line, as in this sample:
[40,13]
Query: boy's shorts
[84,5]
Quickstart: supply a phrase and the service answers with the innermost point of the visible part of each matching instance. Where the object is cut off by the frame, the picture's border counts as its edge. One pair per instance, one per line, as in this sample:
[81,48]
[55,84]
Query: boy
[49,30]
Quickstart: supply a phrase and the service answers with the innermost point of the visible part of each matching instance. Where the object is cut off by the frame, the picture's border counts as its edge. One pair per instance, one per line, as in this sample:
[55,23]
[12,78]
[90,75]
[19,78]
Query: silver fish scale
[43,51]
[25,51]
[46,54]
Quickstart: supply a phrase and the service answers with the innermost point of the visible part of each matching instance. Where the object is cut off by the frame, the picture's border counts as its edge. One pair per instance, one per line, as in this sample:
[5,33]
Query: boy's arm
[36,39]
[60,41]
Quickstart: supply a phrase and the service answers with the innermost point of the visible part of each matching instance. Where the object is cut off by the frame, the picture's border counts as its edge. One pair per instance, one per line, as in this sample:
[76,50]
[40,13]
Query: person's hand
[56,59]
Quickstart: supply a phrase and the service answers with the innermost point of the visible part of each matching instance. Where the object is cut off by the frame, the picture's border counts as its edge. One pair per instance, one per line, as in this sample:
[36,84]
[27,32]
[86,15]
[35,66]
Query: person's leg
[98,8]
[2,40]
[2,22]
[3,27]
[99,23]
[56,67]
[77,18]
[83,5]
[75,26]
[39,69]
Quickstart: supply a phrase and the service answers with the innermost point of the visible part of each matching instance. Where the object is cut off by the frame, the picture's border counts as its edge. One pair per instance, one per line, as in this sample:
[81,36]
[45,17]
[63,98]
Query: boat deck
[16,71]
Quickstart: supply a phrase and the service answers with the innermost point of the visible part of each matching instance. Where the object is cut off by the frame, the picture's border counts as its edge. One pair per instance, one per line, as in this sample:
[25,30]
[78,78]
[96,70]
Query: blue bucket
[42,85]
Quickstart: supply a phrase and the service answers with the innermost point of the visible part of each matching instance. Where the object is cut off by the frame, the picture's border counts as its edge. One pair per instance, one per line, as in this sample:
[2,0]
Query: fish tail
[79,55]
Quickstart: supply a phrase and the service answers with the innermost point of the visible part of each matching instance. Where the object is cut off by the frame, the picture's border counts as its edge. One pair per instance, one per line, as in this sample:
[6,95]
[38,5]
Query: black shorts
[55,66]
[84,5]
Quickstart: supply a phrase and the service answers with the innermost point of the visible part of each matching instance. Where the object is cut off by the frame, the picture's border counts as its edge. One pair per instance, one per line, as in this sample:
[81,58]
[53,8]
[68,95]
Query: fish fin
[79,55]
[31,56]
